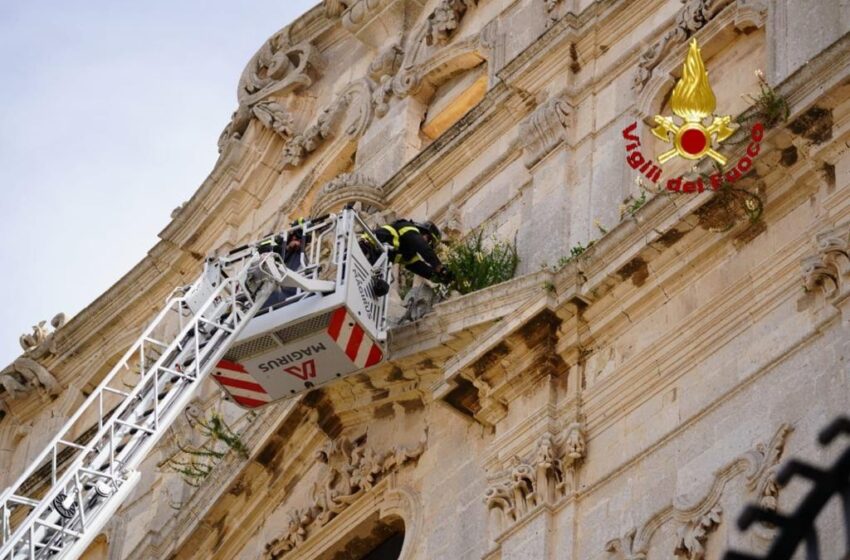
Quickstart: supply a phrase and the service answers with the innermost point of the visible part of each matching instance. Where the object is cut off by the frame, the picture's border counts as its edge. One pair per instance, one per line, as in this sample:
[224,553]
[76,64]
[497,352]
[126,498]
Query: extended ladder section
[61,502]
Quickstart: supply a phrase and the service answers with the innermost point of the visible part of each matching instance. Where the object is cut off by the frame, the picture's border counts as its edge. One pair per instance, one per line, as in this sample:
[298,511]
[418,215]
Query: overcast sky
[109,115]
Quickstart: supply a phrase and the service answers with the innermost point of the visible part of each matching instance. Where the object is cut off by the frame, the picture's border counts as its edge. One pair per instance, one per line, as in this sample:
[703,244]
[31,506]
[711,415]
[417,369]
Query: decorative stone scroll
[691,18]
[544,130]
[351,470]
[543,478]
[699,519]
[279,68]
[25,374]
[829,270]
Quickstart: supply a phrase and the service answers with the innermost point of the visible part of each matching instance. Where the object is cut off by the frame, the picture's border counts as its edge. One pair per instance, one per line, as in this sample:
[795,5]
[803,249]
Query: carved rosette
[691,18]
[545,477]
[545,129]
[352,470]
[829,270]
[349,188]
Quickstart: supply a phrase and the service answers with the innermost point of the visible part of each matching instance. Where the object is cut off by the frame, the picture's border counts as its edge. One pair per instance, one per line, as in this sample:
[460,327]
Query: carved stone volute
[279,68]
[829,270]
[26,374]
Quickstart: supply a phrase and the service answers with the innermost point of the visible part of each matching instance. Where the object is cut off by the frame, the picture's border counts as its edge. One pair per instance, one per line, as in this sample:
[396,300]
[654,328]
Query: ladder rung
[155,341]
[99,474]
[22,500]
[134,426]
[71,444]
[216,325]
[56,527]
[177,373]
[116,391]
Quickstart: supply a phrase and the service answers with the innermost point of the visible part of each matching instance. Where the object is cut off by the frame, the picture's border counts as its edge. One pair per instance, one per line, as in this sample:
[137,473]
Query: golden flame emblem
[693,101]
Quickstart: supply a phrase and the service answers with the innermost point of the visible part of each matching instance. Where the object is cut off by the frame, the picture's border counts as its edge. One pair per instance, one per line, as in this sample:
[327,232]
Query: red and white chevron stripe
[360,349]
[242,387]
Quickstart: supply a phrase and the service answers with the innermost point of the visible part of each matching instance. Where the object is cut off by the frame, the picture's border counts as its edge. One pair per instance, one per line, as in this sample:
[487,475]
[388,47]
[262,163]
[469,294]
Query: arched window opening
[453,99]
[374,539]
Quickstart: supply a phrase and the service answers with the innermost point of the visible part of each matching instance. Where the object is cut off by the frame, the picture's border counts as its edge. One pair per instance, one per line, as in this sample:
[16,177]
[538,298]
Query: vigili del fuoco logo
[696,134]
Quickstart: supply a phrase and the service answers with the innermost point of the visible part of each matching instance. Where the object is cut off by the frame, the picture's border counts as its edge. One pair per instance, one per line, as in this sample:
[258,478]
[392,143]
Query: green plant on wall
[772,107]
[477,265]
[199,462]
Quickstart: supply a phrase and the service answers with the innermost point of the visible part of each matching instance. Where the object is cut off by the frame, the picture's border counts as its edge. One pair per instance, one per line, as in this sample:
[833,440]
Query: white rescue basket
[330,324]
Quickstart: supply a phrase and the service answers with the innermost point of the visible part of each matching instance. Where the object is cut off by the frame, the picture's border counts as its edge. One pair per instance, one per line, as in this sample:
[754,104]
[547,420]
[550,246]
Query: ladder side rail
[140,386]
[157,369]
[63,483]
[381,318]
[205,362]
[40,459]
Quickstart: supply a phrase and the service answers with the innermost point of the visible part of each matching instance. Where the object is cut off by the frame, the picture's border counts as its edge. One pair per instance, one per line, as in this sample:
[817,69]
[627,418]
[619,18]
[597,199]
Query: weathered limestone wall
[623,404]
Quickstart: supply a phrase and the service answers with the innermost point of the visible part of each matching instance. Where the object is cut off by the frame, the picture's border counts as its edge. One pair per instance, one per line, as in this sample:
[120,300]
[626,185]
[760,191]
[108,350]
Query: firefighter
[412,245]
[293,257]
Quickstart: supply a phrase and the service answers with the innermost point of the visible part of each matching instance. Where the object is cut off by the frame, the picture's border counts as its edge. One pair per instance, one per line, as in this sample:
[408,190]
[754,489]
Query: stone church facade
[638,381]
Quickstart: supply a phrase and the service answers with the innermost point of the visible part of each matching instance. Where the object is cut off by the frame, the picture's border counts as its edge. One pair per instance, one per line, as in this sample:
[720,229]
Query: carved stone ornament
[697,520]
[387,62]
[351,109]
[545,477]
[829,270]
[349,188]
[352,470]
[25,374]
[275,117]
[382,70]
[445,19]
[691,18]
[270,113]
[279,68]
[552,12]
[691,537]
[544,129]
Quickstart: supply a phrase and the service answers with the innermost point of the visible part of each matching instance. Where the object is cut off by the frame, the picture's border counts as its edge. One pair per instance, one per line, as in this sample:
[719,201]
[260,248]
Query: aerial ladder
[326,324]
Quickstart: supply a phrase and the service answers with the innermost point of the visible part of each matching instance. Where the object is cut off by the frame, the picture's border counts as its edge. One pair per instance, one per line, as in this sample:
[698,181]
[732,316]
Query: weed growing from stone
[477,265]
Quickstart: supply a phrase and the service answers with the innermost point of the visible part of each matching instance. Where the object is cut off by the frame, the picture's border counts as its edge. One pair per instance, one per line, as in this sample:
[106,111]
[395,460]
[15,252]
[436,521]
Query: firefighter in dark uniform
[412,245]
[292,254]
